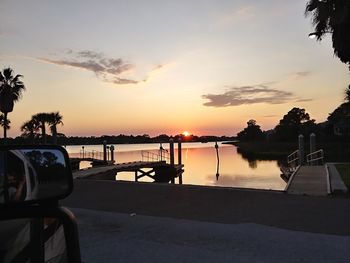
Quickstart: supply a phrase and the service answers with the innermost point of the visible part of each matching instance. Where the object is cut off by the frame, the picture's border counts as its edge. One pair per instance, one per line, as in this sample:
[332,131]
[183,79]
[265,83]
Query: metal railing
[161,155]
[91,154]
[293,158]
[315,158]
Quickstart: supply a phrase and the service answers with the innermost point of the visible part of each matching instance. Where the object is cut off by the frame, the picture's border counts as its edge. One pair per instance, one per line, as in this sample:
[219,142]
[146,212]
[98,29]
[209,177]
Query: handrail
[93,154]
[164,155]
[155,157]
[315,156]
[293,158]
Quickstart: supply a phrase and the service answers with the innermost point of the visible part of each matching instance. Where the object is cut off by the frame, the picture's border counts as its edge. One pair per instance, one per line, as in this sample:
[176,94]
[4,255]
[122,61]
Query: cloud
[270,116]
[242,13]
[2,33]
[122,81]
[107,69]
[300,74]
[303,73]
[236,96]
[303,100]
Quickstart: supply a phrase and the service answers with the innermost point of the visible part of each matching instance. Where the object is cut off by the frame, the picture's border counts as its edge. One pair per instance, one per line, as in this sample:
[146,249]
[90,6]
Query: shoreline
[264,150]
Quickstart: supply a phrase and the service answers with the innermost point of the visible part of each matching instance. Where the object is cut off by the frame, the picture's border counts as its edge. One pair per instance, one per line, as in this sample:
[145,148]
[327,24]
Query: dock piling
[112,152]
[171,144]
[105,151]
[179,158]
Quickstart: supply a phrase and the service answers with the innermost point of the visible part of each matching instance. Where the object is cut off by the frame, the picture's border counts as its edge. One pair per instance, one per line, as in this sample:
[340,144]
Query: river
[201,167]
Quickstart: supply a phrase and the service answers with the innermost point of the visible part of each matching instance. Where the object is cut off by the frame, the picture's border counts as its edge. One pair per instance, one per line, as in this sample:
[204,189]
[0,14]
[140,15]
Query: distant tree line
[112,139]
[298,121]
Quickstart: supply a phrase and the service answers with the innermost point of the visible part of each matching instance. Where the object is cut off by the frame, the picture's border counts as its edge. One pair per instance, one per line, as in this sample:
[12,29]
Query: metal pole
[301,149]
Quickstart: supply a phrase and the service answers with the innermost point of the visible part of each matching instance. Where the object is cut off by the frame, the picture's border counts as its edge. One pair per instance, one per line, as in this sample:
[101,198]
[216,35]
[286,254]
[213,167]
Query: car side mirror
[32,174]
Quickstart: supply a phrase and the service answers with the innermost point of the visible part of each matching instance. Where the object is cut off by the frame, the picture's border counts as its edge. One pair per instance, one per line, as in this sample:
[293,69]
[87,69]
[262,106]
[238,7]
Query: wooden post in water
[105,151]
[301,149]
[171,144]
[179,158]
[161,151]
[112,152]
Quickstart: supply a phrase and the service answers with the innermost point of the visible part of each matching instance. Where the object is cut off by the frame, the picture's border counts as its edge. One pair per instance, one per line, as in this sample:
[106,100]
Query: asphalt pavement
[115,237]
[145,222]
[327,215]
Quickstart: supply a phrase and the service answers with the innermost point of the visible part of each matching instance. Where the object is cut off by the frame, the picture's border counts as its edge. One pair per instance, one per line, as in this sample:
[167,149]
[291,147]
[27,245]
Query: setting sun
[185,133]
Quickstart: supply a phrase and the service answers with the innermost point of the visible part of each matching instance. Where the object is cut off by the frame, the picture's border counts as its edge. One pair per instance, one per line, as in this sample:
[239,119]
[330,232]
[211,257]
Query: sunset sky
[159,66]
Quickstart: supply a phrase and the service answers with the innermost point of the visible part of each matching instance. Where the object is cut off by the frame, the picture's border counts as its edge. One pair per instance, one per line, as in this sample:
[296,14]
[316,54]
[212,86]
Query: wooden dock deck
[309,180]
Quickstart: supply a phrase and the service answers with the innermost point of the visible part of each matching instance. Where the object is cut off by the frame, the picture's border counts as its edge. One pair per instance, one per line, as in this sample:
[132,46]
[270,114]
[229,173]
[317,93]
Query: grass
[344,170]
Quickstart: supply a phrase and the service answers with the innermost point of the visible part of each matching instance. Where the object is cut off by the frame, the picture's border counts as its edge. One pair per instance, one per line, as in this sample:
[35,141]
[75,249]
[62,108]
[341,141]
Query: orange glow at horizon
[186,133]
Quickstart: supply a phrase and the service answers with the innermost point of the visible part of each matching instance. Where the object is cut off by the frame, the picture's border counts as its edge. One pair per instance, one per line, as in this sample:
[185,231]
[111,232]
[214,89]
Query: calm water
[201,165]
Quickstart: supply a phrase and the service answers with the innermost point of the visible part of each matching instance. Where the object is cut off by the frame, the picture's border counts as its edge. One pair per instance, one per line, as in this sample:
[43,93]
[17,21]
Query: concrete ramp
[309,180]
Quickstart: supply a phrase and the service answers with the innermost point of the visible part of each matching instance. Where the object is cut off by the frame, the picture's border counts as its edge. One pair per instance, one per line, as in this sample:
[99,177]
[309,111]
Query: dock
[309,180]
[159,171]
[159,166]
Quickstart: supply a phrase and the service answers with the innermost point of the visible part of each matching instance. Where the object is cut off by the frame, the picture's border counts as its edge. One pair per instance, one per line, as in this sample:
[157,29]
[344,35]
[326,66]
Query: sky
[158,66]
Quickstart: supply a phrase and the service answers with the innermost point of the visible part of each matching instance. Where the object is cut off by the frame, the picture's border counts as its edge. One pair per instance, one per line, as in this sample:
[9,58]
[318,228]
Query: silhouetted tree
[42,119]
[11,88]
[347,95]
[29,129]
[343,111]
[295,122]
[251,133]
[55,118]
[4,122]
[332,16]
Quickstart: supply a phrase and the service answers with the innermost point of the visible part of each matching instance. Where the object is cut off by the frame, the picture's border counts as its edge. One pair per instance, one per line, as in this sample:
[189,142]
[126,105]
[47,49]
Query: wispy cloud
[300,74]
[270,116]
[242,13]
[245,95]
[2,33]
[107,69]
[303,100]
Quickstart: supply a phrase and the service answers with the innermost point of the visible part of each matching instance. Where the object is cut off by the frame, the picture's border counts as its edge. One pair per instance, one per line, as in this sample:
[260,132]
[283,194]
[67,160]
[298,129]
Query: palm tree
[332,16]
[11,89]
[29,129]
[42,119]
[3,123]
[55,118]
[347,95]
